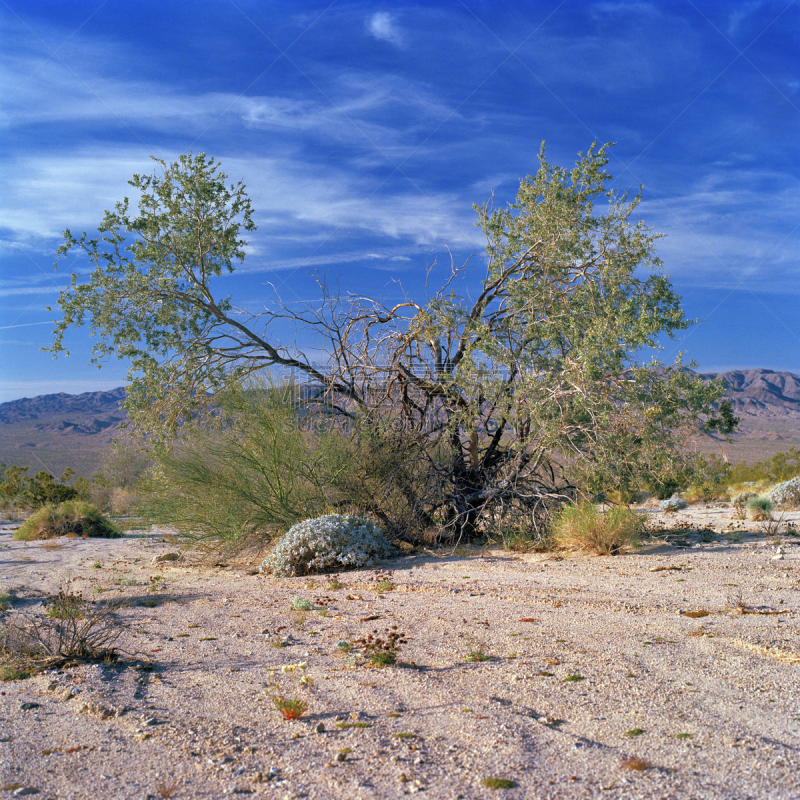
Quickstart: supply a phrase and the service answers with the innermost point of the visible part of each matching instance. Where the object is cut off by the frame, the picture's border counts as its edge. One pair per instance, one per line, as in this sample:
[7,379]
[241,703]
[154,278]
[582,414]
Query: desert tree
[487,409]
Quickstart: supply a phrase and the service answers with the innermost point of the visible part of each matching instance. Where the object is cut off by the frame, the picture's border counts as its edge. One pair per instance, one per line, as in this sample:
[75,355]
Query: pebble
[166,557]
[23,790]
[29,706]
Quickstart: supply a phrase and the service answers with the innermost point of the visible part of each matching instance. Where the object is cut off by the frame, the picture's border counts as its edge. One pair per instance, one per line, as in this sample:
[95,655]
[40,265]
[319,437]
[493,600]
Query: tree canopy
[507,403]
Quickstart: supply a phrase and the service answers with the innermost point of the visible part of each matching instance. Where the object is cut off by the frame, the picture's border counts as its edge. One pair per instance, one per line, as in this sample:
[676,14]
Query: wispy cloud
[382,26]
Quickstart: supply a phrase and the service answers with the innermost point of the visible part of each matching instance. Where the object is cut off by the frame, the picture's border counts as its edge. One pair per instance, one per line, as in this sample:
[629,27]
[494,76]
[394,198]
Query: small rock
[52,686]
[67,694]
[28,707]
[23,790]
[150,721]
[320,728]
[403,778]
[166,557]
[777,558]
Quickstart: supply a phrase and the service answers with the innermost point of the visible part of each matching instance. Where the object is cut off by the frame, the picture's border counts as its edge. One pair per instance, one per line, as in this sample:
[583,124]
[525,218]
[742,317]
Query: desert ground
[670,672]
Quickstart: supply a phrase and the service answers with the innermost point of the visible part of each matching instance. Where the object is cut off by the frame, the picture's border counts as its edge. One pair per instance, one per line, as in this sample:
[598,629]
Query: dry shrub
[84,632]
[124,501]
[583,527]
[72,517]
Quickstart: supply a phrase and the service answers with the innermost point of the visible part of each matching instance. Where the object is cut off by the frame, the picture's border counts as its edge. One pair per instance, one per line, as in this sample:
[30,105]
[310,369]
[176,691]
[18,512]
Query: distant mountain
[760,391]
[54,431]
[47,405]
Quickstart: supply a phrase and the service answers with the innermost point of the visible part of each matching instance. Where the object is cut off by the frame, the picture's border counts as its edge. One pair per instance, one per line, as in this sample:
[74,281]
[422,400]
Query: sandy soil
[591,662]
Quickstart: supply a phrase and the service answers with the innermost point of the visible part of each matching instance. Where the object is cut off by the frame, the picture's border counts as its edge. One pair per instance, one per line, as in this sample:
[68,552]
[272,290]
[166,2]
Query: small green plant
[334,584]
[477,655]
[633,732]
[292,706]
[301,604]
[70,517]
[759,508]
[154,581]
[573,678]
[498,783]
[383,580]
[13,673]
[684,735]
[583,527]
[382,650]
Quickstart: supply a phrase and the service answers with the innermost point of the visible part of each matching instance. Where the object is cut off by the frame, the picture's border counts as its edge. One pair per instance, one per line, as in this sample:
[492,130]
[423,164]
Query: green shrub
[760,508]
[780,467]
[251,470]
[72,517]
[17,489]
[583,527]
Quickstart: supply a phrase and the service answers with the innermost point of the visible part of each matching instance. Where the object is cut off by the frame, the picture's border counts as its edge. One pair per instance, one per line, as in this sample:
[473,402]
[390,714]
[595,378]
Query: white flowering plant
[292,706]
[327,543]
[786,494]
[673,504]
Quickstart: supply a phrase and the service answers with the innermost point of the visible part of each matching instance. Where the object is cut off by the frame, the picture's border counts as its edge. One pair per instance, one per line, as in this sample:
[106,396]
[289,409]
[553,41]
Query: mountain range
[61,430]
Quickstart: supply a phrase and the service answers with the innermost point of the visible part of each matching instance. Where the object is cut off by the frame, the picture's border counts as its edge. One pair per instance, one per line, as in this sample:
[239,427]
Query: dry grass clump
[74,630]
[583,527]
[71,517]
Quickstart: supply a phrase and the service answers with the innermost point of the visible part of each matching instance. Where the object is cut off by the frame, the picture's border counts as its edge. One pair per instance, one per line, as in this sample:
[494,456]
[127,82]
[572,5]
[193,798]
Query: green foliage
[149,298]
[760,508]
[780,467]
[115,487]
[21,491]
[583,527]
[251,470]
[476,408]
[72,517]
[498,783]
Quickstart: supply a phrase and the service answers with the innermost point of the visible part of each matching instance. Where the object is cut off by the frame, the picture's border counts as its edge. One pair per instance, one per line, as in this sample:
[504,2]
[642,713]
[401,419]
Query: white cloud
[381,26]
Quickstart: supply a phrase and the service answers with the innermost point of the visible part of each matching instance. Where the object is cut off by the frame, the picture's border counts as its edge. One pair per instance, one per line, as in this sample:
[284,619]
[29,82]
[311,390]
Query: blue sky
[366,131]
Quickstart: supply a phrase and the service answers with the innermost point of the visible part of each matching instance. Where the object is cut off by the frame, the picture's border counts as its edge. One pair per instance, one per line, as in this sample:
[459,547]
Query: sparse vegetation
[584,527]
[71,517]
[467,409]
[759,508]
[382,649]
[291,705]
[20,491]
[73,630]
[498,783]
